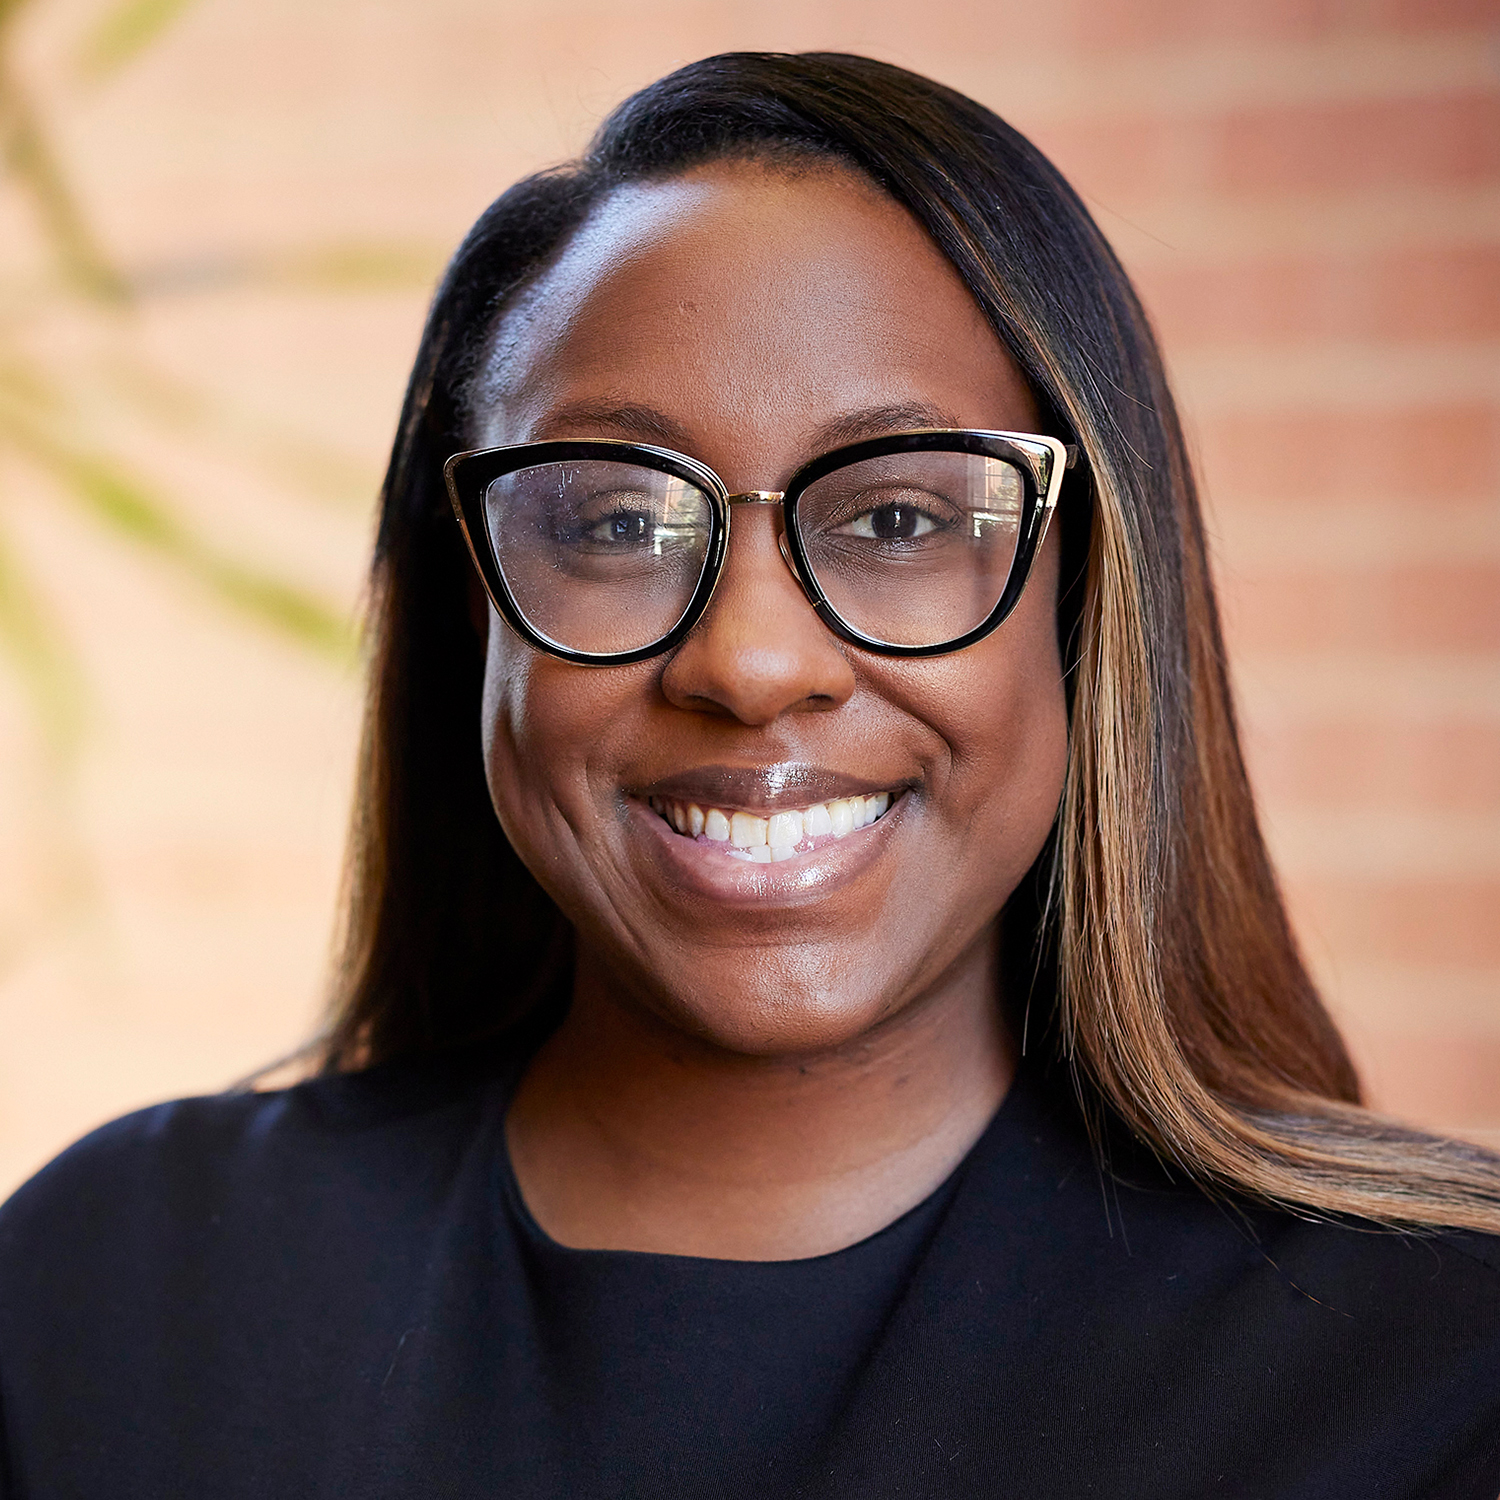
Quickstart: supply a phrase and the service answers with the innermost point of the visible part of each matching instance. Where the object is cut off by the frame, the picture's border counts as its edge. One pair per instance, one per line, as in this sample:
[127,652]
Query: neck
[630,1134]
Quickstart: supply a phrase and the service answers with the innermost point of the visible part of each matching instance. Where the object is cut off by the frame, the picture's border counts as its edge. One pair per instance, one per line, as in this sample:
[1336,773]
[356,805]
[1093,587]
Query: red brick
[1144,22]
[1117,161]
[1433,15]
[949,30]
[1445,606]
[1438,293]
[1147,22]
[1439,139]
[1443,924]
[1343,457]
[1416,608]
[1449,766]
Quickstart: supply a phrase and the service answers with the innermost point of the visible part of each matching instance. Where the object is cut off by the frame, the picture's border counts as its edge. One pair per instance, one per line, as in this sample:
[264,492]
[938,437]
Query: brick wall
[1323,270]
[1308,194]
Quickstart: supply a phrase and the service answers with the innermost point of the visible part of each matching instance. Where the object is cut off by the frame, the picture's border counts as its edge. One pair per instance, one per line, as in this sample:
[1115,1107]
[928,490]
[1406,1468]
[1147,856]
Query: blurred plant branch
[37,419]
[117,499]
[32,165]
[69,341]
[30,639]
[121,33]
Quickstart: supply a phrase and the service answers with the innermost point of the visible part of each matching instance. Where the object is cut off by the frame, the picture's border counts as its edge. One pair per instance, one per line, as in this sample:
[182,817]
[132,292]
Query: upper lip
[767,788]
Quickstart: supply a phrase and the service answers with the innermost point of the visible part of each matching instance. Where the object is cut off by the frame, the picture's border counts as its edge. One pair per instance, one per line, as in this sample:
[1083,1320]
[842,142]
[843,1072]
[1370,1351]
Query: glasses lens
[914,549]
[599,557]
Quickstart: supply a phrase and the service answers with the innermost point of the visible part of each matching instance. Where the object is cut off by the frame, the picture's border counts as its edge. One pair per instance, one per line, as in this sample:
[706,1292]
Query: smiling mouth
[798,830]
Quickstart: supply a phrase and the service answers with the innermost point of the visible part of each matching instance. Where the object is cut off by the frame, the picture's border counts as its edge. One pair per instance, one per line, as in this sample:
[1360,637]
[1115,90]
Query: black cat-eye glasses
[606,552]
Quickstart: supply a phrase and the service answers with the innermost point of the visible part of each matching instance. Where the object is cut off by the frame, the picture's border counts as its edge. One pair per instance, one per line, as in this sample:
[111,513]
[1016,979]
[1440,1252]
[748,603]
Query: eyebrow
[876,421]
[646,423]
[627,418]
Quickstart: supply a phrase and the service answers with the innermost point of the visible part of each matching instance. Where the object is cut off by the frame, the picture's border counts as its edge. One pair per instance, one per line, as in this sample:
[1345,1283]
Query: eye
[620,528]
[896,521]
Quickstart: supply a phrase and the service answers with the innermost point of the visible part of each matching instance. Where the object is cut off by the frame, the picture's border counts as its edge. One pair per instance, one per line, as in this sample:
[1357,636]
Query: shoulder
[231,1264]
[1205,1334]
[157,1182]
[1128,1230]
[1484,1248]
[1432,1294]
[166,1146]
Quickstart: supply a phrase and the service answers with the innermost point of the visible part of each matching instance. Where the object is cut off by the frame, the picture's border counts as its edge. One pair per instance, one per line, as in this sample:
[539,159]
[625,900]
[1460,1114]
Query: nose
[759,651]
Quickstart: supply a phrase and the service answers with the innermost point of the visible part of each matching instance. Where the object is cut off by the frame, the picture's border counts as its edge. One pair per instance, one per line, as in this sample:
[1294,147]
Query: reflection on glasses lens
[913,549]
[599,556]
[910,549]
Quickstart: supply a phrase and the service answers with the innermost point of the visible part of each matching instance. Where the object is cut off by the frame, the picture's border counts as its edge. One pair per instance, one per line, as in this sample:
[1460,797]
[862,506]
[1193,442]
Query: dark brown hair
[1150,942]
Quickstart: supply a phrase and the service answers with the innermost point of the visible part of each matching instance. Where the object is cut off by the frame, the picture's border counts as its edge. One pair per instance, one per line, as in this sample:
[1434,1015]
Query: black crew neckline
[927,1208]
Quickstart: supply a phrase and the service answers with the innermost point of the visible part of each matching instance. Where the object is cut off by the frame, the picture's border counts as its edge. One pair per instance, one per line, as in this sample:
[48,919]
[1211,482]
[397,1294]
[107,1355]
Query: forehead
[743,291]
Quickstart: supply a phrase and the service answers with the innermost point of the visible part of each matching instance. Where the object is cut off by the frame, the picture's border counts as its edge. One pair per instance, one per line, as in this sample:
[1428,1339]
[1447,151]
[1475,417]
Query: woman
[866,1055]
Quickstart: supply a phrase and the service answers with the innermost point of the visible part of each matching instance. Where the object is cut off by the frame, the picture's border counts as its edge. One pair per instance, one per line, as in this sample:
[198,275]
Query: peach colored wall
[1307,190]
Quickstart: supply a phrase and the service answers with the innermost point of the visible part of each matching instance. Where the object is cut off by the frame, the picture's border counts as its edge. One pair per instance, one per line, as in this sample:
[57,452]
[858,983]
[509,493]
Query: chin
[776,1019]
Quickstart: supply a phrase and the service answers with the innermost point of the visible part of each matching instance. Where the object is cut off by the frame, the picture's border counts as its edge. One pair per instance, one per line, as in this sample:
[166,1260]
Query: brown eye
[895,522]
[898,522]
[623,528]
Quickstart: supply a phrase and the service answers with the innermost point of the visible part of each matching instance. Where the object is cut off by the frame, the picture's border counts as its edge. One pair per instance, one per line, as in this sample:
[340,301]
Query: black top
[337,1291]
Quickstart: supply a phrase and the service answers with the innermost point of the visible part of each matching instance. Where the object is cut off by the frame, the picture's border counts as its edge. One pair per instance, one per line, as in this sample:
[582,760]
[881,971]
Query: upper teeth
[775,837]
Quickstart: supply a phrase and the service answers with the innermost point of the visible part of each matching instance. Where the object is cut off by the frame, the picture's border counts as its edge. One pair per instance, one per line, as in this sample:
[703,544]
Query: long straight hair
[1150,940]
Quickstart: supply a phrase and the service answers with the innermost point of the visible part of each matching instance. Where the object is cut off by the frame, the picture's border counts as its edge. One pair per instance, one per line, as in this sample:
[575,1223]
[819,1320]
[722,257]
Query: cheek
[534,734]
[1001,712]
[502,712]
[1009,744]
[544,722]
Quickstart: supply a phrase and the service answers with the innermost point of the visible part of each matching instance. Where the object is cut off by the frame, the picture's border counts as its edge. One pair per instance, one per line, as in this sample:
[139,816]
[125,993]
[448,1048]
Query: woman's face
[754,318]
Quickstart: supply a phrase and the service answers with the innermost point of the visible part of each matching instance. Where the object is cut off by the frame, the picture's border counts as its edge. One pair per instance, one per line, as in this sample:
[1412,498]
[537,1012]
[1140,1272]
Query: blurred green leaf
[290,609]
[358,266]
[126,506]
[48,391]
[30,161]
[119,500]
[313,466]
[8,9]
[39,652]
[124,31]
[23,384]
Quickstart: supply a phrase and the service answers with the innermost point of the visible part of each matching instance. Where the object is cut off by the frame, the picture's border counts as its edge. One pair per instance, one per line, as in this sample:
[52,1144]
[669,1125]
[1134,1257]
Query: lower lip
[707,870]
